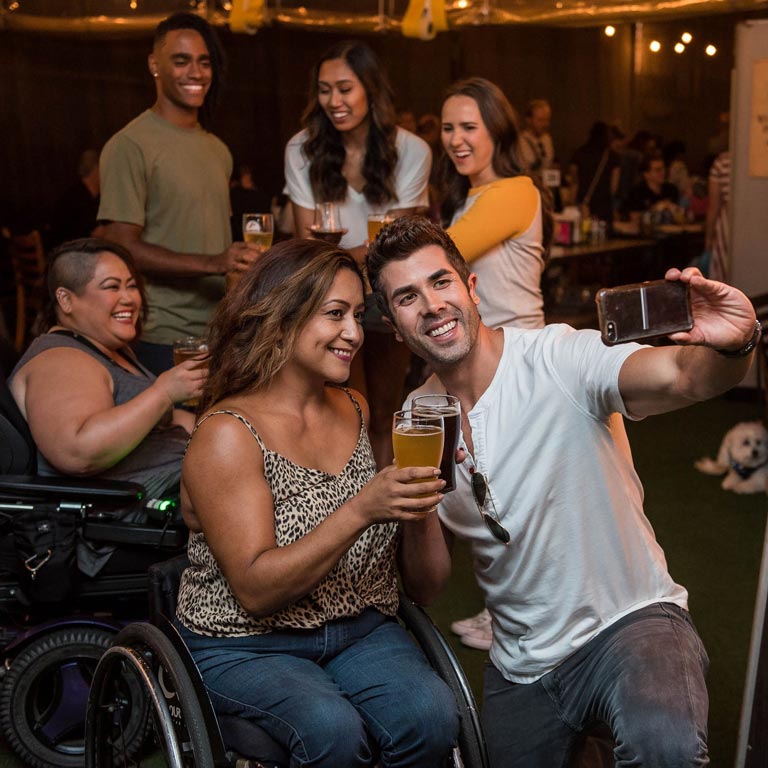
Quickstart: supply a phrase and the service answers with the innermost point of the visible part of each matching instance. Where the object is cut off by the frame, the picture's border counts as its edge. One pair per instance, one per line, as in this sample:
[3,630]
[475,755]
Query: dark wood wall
[62,94]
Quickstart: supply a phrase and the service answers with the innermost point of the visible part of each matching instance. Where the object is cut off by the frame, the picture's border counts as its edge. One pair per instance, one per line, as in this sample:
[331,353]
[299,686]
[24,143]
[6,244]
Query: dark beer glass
[449,408]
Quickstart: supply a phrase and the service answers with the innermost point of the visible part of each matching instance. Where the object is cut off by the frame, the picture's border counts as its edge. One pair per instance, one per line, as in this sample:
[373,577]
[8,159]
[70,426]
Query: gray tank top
[156,461]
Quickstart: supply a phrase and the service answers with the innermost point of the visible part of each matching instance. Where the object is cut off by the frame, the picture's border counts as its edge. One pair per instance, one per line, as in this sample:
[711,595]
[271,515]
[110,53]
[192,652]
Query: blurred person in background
[74,215]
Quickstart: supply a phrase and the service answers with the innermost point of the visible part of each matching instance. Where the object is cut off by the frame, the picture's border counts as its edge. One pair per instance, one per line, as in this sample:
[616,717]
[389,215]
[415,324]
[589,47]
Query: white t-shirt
[509,274]
[582,553]
[414,160]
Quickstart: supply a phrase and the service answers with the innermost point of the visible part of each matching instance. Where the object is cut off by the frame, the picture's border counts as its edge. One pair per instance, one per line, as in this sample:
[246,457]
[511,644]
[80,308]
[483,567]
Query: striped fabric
[720,173]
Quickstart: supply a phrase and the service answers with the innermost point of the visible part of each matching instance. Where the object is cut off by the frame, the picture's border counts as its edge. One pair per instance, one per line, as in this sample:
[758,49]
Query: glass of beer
[327,224]
[449,408]
[258,228]
[417,440]
[376,222]
[185,349]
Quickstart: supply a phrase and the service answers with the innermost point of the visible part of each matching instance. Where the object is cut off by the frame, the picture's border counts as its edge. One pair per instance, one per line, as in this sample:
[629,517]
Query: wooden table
[615,246]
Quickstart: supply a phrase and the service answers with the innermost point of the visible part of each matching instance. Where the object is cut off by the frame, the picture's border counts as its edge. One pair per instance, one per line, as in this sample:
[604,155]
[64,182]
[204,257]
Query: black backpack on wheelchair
[56,622]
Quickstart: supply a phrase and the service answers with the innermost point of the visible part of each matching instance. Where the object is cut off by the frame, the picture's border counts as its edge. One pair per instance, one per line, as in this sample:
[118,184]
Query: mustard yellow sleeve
[504,209]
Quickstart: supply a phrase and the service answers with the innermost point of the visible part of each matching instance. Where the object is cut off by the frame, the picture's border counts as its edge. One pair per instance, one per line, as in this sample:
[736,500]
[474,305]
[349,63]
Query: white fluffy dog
[744,456]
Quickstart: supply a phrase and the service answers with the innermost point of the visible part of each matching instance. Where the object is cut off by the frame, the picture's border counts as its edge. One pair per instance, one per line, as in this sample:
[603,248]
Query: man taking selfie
[588,625]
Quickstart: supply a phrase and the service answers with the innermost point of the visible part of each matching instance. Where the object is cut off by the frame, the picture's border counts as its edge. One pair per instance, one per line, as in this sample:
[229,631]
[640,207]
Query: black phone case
[643,310]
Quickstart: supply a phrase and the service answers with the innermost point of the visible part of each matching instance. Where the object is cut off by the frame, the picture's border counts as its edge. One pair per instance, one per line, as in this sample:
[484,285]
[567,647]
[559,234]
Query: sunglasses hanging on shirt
[481,493]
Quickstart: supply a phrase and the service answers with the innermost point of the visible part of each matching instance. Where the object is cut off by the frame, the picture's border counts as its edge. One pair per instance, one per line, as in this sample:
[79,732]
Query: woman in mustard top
[495,212]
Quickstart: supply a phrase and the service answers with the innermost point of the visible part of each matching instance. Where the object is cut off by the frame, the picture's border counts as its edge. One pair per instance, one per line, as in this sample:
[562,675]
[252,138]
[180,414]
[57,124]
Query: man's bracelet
[747,348]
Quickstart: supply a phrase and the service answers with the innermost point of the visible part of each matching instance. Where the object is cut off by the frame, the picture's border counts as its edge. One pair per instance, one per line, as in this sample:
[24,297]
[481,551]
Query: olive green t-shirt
[173,182]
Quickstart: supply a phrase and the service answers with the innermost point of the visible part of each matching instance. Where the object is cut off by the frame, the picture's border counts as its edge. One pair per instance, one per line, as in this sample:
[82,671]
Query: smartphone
[643,310]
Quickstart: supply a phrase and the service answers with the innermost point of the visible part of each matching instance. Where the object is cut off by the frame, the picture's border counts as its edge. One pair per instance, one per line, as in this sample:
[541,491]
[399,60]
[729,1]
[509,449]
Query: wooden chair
[28,262]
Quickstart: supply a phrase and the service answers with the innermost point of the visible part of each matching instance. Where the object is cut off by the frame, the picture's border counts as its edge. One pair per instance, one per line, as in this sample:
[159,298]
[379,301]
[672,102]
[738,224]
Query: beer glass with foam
[186,349]
[417,440]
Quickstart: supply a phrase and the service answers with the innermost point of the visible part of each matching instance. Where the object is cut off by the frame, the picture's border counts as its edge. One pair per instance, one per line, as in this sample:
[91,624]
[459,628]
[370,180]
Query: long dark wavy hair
[324,147]
[184,20]
[500,119]
[254,330]
[71,265]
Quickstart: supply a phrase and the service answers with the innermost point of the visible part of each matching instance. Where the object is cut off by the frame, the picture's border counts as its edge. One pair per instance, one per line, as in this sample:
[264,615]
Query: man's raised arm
[711,358]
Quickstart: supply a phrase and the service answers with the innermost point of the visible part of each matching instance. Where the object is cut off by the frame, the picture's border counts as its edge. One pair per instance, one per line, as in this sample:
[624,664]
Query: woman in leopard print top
[289,600]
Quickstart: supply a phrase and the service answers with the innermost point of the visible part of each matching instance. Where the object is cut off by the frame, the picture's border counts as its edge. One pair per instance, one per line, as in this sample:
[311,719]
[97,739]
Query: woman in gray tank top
[91,407]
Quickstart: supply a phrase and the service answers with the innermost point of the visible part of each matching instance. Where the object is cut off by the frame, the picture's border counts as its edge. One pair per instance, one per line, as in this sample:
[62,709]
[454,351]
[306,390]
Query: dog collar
[745,472]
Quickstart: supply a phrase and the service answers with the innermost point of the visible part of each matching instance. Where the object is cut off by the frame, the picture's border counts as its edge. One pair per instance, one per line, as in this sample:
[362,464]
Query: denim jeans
[643,677]
[326,693]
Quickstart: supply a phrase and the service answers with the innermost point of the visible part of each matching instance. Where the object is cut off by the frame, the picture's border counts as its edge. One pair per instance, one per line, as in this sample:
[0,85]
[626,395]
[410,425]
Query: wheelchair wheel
[142,652]
[43,697]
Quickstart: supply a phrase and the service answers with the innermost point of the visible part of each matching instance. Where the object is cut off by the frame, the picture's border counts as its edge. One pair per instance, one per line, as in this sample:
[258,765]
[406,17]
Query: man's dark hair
[402,238]
[184,20]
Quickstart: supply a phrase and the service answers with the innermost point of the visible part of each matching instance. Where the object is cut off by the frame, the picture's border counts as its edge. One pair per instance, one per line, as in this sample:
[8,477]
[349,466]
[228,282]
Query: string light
[655,46]
[686,37]
[710,50]
[610,31]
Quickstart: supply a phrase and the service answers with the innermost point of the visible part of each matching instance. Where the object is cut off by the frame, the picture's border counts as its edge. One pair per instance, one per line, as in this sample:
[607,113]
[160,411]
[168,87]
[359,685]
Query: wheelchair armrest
[139,534]
[112,491]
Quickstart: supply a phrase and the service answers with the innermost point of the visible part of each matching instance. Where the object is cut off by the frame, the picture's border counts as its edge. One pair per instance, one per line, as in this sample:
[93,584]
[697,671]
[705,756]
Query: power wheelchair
[187,731]
[56,622]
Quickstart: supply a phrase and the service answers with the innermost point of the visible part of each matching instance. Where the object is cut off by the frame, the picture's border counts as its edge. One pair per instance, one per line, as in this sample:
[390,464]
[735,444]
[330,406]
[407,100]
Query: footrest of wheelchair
[116,532]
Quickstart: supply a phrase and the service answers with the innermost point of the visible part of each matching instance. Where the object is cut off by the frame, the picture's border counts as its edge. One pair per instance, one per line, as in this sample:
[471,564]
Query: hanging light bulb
[710,50]
[655,46]
[610,31]
[686,37]
[679,47]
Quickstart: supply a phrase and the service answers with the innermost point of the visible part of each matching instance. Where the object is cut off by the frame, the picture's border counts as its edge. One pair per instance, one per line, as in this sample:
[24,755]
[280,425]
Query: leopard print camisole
[303,498]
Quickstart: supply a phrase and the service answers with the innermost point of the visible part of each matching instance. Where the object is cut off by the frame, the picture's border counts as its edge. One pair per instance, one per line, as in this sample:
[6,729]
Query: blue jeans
[643,677]
[325,693]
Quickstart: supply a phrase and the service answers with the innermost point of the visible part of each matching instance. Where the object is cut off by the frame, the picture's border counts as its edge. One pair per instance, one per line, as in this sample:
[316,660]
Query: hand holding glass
[449,408]
[417,441]
[186,349]
[327,223]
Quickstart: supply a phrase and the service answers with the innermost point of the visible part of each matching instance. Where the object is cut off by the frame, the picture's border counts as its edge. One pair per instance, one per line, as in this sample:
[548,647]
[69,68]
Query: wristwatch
[747,348]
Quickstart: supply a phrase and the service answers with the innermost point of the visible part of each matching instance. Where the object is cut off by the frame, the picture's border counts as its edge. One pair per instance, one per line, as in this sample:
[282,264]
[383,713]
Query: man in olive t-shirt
[165,190]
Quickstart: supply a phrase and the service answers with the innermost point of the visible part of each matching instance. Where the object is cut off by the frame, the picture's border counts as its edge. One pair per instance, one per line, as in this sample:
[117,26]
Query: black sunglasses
[491,519]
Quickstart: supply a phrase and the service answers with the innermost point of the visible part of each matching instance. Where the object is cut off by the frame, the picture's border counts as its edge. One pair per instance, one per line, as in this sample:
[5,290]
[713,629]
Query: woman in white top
[351,152]
[495,211]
